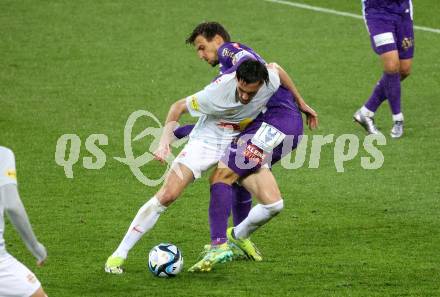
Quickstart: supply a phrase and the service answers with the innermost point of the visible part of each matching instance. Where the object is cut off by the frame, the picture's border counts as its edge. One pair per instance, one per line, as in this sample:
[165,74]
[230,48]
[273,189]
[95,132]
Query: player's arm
[286,81]
[171,123]
[201,103]
[17,214]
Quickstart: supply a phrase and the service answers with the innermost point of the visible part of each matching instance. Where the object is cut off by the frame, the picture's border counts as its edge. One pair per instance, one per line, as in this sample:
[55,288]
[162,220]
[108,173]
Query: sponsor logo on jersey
[229,126]
[235,126]
[254,153]
[194,103]
[227,53]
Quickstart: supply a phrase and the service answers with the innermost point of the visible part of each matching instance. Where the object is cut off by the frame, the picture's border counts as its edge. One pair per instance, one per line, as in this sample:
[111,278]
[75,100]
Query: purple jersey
[232,54]
[392,8]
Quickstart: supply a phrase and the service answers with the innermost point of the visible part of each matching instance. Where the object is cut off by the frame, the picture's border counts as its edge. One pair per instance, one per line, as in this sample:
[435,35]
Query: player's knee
[223,175]
[404,72]
[275,208]
[167,195]
[391,68]
[391,62]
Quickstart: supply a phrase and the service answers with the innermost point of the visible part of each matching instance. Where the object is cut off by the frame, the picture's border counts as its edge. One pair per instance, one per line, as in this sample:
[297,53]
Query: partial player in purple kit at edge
[390,25]
[281,121]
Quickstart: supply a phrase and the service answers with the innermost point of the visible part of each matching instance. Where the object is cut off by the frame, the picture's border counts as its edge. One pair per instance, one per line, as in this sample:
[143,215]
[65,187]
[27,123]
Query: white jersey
[221,115]
[2,230]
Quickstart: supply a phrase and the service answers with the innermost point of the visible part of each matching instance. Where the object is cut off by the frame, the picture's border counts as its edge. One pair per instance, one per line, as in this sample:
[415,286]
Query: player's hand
[41,254]
[312,116]
[40,263]
[162,152]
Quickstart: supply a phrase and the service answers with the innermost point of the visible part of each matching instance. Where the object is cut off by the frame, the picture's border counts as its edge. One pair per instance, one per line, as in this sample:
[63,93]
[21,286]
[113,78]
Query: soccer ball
[165,260]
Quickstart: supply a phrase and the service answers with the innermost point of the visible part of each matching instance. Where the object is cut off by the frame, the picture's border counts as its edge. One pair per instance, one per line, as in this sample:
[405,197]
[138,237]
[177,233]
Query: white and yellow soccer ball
[165,260]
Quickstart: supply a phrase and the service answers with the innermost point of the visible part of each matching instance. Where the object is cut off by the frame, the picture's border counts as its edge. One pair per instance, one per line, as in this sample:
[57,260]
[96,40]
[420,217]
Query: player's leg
[405,46]
[405,68]
[183,131]
[383,42]
[263,186]
[265,141]
[175,182]
[219,250]
[241,203]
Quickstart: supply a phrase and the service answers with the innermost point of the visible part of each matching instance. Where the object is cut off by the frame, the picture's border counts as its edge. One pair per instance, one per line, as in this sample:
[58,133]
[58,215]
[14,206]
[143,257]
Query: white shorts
[7,167]
[199,156]
[16,280]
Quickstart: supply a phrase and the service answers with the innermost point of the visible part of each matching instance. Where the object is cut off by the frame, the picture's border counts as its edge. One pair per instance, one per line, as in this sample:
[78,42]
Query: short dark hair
[252,71]
[208,30]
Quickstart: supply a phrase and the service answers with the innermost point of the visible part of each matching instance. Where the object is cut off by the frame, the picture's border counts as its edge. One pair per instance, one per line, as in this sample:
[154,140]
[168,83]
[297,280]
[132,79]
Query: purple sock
[219,211]
[183,131]
[241,204]
[377,97]
[392,91]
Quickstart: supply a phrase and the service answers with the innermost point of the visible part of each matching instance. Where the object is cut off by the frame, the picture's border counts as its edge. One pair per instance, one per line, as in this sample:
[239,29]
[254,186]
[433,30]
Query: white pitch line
[341,13]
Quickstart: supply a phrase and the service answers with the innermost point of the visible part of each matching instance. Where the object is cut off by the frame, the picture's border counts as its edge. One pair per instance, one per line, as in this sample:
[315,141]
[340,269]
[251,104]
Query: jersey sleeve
[202,102]
[274,80]
[241,56]
[231,55]
[17,213]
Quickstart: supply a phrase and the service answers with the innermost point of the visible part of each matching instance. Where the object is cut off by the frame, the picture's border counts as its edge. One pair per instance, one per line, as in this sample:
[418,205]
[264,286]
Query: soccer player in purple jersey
[282,117]
[390,25]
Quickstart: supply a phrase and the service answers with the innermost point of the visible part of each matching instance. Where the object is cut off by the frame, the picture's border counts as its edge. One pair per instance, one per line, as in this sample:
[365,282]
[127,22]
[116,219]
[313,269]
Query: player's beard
[237,98]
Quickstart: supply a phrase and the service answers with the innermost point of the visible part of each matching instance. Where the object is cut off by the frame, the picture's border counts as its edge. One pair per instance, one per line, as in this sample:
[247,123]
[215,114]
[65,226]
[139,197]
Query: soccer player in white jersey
[16,280]
[223,107]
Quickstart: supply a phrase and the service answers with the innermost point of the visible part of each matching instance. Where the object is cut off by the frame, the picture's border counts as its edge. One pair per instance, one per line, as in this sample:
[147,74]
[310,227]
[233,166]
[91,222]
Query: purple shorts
[271,136]
[388,33]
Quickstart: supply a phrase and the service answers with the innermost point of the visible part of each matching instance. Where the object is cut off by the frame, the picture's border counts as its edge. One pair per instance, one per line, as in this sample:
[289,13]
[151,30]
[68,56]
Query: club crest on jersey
[407,43]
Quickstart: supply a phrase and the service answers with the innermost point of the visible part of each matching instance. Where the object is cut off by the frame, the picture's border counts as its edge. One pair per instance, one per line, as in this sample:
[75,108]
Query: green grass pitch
[83,67]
